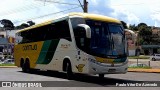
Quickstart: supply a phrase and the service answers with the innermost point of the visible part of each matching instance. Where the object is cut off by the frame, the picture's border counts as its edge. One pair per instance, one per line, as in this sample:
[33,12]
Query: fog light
[94,69]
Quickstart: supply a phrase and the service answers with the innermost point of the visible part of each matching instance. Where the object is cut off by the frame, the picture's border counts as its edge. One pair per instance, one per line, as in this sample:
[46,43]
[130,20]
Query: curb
[145,70]
[8,66]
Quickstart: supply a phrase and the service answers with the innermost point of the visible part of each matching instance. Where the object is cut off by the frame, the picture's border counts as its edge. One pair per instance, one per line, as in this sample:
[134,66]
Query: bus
[74,43]
[131,41]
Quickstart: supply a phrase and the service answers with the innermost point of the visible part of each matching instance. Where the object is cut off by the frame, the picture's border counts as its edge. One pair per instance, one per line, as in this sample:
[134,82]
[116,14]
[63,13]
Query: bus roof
[84,15]
[96,17]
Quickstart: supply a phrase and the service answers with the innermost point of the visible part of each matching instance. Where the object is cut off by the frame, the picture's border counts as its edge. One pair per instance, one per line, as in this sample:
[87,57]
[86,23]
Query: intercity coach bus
[75,43]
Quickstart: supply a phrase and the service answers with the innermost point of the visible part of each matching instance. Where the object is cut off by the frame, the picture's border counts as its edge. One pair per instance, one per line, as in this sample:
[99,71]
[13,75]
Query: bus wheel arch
[65,62]
[67,67]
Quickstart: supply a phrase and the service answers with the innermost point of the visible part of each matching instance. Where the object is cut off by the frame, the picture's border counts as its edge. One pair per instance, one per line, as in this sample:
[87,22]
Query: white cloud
[19,10]
[131,11]
[94,2]
[137,10]
[155,14]
[125,15]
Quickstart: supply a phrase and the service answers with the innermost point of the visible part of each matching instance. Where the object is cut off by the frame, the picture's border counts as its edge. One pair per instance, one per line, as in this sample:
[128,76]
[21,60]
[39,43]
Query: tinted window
[56,30]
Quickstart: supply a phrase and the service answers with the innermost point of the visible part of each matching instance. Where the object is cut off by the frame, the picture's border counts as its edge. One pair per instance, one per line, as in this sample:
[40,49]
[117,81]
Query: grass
[7,64]
[138,57]
[140,67]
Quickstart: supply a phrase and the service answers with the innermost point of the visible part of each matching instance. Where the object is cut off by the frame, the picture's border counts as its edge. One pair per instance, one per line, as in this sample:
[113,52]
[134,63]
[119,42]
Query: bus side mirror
[84,28]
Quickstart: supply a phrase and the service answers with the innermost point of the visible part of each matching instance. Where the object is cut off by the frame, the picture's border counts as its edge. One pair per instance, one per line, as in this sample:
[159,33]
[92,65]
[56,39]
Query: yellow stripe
[96,17]
[104,60]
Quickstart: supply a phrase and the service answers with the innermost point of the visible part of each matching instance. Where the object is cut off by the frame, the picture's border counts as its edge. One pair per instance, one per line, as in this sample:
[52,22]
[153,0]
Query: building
[154,47]
[6,42]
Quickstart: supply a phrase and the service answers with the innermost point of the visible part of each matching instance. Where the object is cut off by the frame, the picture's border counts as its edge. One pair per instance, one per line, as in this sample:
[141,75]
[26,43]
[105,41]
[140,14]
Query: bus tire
[69,71]
[26,66]
[22,62]
[23,67]
[153,59]
[101,75]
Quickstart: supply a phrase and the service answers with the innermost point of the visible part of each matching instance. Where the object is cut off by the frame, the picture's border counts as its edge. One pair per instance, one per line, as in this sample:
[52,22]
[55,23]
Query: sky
[129,11]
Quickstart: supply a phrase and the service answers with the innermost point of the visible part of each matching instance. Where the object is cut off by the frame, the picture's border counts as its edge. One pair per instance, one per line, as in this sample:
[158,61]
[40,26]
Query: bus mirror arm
[86,28]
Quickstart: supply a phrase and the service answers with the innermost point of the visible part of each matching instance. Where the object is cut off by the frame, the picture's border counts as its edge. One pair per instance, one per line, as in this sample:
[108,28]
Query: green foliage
[138,57]
[145,34]
[140,40]
[31,23]
[25,25]
[124,24]
[7,24]
[142,25]
[7,64]
[133,27]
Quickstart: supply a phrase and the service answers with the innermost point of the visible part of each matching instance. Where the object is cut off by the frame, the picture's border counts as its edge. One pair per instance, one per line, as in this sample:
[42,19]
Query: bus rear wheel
[26,67]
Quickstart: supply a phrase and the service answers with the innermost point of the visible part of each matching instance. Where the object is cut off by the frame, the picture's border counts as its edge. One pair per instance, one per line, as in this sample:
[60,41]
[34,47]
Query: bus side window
[62,30]
[58,30]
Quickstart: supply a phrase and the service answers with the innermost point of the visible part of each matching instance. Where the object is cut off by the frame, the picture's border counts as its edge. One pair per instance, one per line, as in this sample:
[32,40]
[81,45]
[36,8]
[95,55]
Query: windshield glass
[107,39]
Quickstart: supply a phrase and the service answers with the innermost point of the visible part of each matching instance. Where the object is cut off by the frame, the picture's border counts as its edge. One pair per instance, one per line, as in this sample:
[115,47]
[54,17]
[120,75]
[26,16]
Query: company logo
[6,84]
[80,67]
[30,47]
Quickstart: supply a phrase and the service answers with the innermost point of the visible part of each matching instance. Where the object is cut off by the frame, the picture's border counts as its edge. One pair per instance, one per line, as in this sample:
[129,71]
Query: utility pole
[85,3]
[84,6]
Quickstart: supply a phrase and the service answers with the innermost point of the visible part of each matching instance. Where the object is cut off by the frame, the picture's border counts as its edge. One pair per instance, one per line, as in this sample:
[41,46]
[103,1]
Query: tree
[31,23]
[23,25]
[144,33]
[124,24]
[142,24]
[133,27]
[7,24]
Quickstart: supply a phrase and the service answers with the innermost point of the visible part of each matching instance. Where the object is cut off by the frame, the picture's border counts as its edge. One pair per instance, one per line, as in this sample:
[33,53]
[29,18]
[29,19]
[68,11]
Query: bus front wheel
[69,71]
[101,75]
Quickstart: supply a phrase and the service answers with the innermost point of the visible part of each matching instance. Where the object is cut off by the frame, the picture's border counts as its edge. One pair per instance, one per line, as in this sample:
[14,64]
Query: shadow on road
[80,80]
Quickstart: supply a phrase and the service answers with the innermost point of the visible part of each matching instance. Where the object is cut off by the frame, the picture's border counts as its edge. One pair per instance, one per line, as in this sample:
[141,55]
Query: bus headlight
[93,61]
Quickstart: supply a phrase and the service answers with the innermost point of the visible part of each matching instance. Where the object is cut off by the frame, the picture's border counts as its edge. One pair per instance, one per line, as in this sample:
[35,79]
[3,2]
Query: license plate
[112,70]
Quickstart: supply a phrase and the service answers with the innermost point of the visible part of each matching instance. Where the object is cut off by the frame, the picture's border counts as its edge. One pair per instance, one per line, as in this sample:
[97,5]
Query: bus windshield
[107,39]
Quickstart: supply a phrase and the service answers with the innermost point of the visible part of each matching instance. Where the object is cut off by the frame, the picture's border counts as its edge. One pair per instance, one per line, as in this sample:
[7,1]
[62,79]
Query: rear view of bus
[103,39]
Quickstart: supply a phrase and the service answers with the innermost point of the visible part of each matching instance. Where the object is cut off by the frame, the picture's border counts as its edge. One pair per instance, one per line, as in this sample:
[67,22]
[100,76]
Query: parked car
[8,61]
[155,57]
[1,62]
[1,56]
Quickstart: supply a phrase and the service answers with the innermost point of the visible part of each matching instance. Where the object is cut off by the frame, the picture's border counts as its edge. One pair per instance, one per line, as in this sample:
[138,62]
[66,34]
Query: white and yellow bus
[131,41]
[75,43]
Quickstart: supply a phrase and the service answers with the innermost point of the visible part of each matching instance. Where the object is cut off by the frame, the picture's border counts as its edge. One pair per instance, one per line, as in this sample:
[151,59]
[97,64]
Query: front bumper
[101,68]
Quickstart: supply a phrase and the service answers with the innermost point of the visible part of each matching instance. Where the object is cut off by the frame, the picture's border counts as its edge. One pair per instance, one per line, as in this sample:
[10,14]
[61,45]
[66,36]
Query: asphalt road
[80,82]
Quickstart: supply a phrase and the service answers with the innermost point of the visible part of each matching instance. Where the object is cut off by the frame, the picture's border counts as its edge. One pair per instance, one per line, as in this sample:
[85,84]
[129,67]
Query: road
[87,82]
